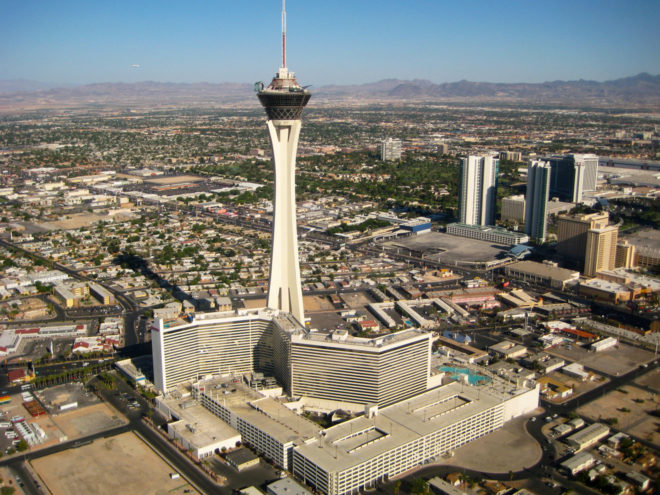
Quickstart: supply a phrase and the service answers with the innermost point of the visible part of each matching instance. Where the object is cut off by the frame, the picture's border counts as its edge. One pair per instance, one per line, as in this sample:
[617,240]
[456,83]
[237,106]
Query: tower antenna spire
[284,33]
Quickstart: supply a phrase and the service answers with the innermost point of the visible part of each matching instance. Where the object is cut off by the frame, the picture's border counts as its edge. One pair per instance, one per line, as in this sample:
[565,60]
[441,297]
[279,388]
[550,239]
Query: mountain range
[642,90]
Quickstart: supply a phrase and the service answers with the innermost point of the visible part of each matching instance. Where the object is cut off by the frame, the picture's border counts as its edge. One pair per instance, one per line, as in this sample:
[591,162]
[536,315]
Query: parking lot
[613,362]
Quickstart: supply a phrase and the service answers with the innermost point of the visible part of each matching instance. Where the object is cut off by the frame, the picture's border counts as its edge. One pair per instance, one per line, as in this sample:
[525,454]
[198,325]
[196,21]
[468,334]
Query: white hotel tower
[284,100]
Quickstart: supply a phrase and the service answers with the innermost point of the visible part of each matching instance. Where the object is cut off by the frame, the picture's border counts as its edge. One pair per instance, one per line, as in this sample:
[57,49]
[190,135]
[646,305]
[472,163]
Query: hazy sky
[338,41]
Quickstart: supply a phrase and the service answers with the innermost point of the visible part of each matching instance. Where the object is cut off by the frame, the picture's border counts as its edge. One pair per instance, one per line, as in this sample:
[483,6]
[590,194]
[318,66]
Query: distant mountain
[22,85]
[148,93]
[642,90]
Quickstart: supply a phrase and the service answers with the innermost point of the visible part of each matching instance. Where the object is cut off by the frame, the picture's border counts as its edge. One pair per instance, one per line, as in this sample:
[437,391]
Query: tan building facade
[625,255]
[601,250]
[572,233]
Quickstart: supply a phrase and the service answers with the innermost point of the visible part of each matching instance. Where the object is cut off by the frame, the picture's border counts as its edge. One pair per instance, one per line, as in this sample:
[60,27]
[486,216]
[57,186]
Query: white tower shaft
[284,290]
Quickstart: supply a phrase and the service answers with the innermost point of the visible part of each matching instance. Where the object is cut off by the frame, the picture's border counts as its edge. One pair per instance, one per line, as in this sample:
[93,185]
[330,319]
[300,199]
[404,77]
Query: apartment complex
[390,149]
[478,189]
[572,175]
[536,200]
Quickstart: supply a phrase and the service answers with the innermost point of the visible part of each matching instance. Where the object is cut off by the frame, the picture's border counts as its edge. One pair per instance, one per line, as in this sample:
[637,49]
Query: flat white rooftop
[349,443]
[264,413]
[196,424]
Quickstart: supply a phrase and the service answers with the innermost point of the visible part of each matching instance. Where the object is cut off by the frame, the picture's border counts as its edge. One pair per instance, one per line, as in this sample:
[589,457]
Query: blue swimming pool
[473,378]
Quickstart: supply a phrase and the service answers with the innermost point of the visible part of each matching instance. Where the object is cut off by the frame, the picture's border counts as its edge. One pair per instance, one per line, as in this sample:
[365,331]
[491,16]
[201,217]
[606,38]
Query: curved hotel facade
[332,366]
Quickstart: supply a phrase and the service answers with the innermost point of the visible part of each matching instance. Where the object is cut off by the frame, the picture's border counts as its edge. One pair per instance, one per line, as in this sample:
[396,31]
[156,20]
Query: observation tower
[284,100]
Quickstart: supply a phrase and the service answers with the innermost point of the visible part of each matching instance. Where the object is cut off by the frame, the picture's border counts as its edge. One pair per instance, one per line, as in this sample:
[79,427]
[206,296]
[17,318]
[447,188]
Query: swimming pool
[473,378]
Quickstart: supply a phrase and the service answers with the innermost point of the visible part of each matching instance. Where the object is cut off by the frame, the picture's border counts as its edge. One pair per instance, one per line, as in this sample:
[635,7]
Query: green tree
[419,486]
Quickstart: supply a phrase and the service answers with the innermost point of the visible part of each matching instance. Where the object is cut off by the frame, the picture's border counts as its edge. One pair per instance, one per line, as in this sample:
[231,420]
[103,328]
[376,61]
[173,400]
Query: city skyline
[79,43]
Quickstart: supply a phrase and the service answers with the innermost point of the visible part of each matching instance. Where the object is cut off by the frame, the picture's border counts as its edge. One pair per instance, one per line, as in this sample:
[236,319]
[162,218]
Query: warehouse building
[542,273]
[588,436]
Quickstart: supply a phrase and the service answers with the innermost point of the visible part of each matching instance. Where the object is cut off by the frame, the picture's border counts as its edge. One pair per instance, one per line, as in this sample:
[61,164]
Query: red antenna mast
[283,34]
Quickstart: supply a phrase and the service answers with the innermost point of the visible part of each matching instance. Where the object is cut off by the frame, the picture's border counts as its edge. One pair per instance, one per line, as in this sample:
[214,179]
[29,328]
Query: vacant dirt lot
[317,303]
[74,221]
[121,464]
[650,380]
[254,303]
[88,420]
[637,422]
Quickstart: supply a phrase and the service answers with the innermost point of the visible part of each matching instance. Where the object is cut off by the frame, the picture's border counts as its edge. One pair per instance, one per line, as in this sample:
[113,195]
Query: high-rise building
[590,164]
[536,200]
[625,255]
[284,100]
[572,233]
[381,371]
[513,208]
[572,175]
[390,149]
[478,189]
[600,253]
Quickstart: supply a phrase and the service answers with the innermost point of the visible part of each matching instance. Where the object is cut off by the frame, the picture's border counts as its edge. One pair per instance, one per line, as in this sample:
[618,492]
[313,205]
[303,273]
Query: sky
[329,42]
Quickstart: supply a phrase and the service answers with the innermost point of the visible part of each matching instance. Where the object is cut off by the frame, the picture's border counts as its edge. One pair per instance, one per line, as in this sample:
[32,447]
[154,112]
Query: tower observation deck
[284,100]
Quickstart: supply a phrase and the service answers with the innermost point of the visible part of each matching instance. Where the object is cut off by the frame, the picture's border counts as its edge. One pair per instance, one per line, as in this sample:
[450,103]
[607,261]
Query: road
[129,308]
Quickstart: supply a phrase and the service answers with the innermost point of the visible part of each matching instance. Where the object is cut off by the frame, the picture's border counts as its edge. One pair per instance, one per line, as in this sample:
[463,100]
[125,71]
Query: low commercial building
[131,368]
[102,294]
[546,274]
[195,428]
[639,480]
[419,225]
[606,291]
[606,343]
[553,389]
[588,436]
[578,462]
[489,233]
[286,486]
[442,487]
[455,349]
[242,459]
[576,370]
[543,362]
[615,440]
[508,350]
